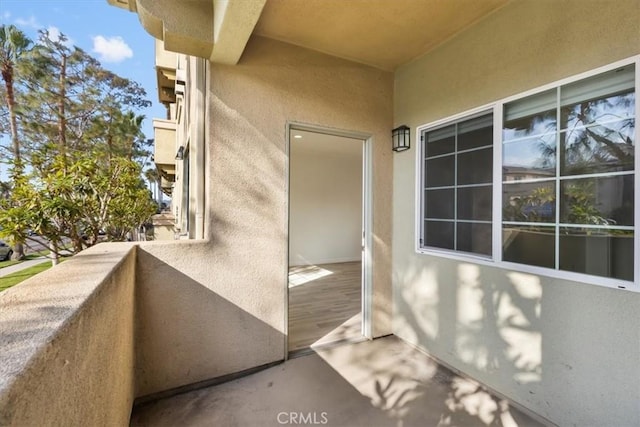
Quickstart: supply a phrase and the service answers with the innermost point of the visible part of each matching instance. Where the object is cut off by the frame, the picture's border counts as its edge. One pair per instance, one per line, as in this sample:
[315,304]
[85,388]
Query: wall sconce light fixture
[401,137]
[180,153]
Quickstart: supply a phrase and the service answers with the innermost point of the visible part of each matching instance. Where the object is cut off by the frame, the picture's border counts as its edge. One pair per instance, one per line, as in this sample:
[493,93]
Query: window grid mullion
[559,161]
[455,188]
[423,183]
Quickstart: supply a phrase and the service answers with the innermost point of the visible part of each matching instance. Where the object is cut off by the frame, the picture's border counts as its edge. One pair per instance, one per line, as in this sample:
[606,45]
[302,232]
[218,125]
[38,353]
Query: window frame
[495,260]
[469,115]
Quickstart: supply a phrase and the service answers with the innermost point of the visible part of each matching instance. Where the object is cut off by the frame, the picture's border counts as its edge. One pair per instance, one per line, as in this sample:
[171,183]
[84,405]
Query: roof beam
[233,24]
[217,30]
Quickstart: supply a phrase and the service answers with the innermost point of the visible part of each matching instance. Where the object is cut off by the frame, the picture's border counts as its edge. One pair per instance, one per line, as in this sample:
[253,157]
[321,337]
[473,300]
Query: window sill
[578,278]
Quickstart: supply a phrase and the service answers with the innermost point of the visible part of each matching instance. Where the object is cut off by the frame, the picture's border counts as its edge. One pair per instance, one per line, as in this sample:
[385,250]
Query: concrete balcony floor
[383,382]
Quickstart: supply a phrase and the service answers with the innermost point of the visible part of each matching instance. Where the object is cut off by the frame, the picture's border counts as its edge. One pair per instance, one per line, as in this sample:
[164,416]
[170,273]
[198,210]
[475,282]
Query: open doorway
[327,244]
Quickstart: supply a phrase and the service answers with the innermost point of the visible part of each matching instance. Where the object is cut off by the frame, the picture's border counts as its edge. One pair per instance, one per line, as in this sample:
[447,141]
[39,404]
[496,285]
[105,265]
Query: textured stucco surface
[250,105]
[67,342]
[380,33]
[197,321]
[215,307]
[566,350]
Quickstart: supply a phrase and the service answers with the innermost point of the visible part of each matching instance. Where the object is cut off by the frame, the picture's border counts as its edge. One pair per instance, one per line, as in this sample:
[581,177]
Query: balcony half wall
[165,149]
[67,342]
[119,321]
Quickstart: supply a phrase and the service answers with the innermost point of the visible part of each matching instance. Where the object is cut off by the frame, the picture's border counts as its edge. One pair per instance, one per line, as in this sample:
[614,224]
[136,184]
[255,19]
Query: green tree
[83,140]
[13,45]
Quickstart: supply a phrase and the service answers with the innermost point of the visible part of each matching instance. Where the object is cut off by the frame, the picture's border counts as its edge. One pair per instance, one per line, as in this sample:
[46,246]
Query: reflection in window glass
[603,98]
[597,201]
[525,127]
[598,149]
[600,252]
[599,110]
[533,115]
[529,245]
[529,202]
[592,168]
[532,158]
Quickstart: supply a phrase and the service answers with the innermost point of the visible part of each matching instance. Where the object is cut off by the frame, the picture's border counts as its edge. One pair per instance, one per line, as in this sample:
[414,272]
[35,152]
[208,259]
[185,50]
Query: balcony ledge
[68,332]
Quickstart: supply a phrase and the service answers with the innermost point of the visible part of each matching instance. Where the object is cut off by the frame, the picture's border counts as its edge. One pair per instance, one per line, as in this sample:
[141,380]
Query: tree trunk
[18,252]
[7,76]
[62,120]
[53,247]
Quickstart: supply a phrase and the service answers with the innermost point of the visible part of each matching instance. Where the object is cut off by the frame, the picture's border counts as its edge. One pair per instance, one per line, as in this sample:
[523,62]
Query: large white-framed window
[562,184]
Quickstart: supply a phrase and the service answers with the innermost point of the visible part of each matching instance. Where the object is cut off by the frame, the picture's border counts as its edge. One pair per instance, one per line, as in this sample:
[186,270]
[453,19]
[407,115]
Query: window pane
[601,252]
[597,201]
[440,141]
[530,158]
[533,115]
[474,203]
[439,234]
[602,98]
[440,171]
[599,110]
[529,245]
[439,204]
[473,237]
[530,202]
[476,132]
[598,149]
[475,167]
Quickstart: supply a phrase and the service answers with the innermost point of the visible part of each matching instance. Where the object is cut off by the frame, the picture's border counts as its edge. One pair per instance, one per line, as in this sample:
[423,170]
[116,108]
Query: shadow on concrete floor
[383,382]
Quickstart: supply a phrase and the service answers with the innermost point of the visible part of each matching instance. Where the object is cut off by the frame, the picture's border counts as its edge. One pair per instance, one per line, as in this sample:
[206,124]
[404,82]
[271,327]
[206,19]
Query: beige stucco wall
[214,307]
[568,351]
[250,105]
[67,342]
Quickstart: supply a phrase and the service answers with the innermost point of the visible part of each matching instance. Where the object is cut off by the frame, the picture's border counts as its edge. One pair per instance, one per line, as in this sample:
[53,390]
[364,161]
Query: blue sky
[112,35]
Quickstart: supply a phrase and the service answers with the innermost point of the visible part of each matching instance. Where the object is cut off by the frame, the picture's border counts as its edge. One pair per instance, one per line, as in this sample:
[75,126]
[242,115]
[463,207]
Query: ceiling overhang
[217,30]
[381,33]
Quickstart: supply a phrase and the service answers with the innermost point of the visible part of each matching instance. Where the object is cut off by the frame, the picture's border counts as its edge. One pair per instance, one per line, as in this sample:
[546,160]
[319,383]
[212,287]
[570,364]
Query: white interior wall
[325,199]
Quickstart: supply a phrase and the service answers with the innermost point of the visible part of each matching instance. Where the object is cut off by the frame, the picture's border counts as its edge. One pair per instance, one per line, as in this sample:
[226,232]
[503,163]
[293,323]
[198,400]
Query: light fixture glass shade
[401,137]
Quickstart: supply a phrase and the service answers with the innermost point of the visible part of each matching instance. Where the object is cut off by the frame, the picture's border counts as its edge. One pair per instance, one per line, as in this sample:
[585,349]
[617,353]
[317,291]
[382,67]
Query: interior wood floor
[324,304]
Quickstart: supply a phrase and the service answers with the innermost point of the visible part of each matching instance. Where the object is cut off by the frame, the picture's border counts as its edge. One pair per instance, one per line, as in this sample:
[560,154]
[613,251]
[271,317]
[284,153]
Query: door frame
[367,221]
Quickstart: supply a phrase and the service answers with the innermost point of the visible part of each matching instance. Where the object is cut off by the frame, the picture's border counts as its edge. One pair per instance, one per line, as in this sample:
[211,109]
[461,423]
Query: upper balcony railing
[165,145]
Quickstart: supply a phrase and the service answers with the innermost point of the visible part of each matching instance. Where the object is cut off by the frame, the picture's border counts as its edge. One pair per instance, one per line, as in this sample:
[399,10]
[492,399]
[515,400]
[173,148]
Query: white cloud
[6,16]
[54,35]
[112,49]
[31,22]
